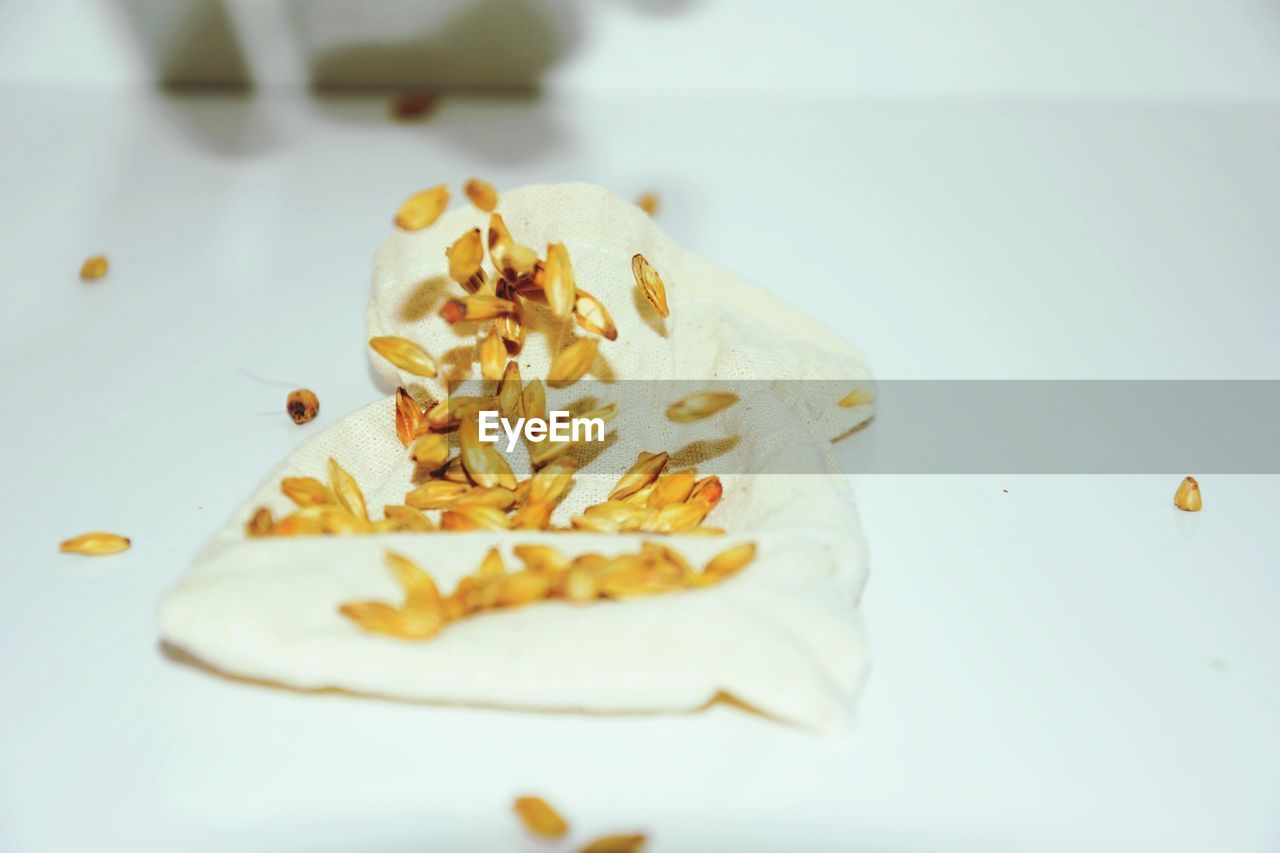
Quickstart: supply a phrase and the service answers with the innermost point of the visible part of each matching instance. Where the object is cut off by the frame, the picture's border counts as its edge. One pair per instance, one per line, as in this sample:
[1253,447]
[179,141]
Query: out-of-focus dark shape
[413,106]
[189,43]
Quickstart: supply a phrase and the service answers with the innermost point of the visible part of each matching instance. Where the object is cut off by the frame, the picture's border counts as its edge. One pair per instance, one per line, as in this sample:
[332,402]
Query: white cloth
[783,636]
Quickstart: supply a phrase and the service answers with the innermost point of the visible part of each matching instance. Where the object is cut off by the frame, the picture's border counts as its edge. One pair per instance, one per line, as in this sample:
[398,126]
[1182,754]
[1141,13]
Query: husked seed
[408,417]
[704,404]
[482,461]
[641,474]
[306,491]
[557,280]
[678,517]
[422,209]
[523,588]
[476,307]
[482,194]
[532,516]
[590,314]
[95,544]
[260,523]
[493,356]
[302,405]
[407,519]
[466,256]
[494,496]
[511,330]
[346,491]
[572,362]
[707,491]
[535,400]
[93,268]
[420,591]
[431,451]
[648,203]
[671,488]
[549,485]
[540,818]
[856,397]
[650,284]
[306,521]
[511,259]
[730,562]
[404,354]
[509,392]
[632,843]
[447,414]
[1188,495]
[581,585]
[542,559]
[436,494]
[475,517]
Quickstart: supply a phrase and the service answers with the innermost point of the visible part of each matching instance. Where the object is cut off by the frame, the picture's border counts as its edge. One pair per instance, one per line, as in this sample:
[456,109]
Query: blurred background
[966,189]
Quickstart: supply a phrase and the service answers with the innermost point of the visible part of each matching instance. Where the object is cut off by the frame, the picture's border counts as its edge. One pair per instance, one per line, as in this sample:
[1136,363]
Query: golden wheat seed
[540,818]
[650,284]
[532,516]
[581,585]
[260,523]
[420,592]
[1188,495]
[704,404]
[707,491]
[590,314]
[549,485]
[511,259]
[93,268]
[594,524]
[509,392]
[482,194]
[856,397]
[493,356]
[511,330]
[302,405]
[572,362]
[306,491]
[478,306]
[407,519]
[541,559]
[423,208]
[408,417]
[557,280]
[671,488]
[446,414]
[641,474]
[404,354]
[494,496]
[629,843]
[436,494]
[534,400]
[95,544]
[730,562]
[306,521]
[677,518]
[474,517]
[648,203]
[430,451]
[466,256]
[523,588]
[482,461]
[346,491]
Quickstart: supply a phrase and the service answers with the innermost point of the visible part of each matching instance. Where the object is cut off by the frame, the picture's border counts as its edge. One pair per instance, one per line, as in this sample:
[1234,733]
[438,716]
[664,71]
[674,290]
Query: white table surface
[1069,665]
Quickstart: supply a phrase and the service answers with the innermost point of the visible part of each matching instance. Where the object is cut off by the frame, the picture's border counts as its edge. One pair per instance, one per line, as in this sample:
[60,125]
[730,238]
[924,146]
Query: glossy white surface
[1071,665]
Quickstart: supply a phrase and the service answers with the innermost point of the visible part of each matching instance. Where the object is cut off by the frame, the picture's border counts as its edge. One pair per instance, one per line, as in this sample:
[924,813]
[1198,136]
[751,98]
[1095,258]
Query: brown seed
[534,400]
[436,494]
[648,203]
[410,106]
[302,405]
[475,517]
[1188,495]
[476,307]
[455,473]
[95,544]
[539,818]
[650,284]
[484,464]
[641,474]
[306,491]
[408,417]
[493,356]
[422,209]
[572,362]
[856,397]
[632,843]
[482,194]
[511,330]
[704,404]
[466,256]
[93,268]
[509,392]
[404,354]
[558,282]
[511,259]
[431,451]
[590,314]
[260,523]
[346,491]
[407,519]
[730,562]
